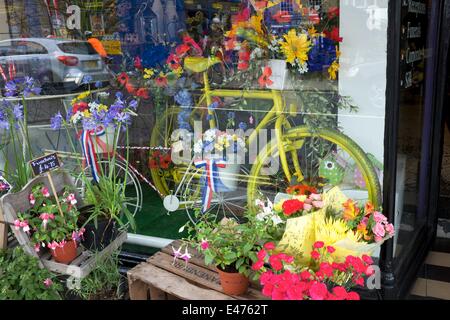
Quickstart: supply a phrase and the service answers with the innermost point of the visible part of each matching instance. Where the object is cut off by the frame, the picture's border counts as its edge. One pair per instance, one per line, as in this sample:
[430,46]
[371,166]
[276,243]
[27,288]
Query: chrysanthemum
[295,47]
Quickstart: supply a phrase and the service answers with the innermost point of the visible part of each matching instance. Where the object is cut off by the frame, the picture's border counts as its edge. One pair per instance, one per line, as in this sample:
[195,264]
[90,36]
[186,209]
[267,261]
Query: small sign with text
[45,164]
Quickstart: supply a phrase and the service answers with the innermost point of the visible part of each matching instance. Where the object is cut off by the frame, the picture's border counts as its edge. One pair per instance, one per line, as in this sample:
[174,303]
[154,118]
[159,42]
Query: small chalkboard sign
[45,164]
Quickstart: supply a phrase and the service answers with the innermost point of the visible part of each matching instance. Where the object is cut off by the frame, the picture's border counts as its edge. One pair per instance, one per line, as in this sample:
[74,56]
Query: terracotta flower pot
[66,254]
[233,283]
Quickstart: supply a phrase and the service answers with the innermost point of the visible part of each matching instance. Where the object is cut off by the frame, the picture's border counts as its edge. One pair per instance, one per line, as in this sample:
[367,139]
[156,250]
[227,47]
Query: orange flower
[369,208]
[301,190]
[351,210]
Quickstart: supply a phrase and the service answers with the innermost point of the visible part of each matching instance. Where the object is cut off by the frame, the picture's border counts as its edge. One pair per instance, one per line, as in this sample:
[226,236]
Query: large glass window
[271,94]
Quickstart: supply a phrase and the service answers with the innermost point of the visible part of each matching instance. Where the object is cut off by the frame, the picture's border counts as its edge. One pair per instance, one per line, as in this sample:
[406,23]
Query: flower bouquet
[50,228]
[341,223]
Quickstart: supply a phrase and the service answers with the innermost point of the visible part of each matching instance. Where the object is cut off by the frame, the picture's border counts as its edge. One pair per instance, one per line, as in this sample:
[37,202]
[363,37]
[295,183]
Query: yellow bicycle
[302,152]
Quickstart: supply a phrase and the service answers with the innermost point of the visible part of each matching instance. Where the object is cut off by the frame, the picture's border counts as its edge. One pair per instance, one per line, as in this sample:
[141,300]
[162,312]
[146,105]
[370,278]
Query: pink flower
[17,224]
[52,245]
[378,239]
[318,291]
[186,256]
[316,197]
[266,277]
[275,262]
[315,255]
[261,254]
[353,296]
[269,246]
[318,204]
[379,217]
[71,198]
[367,259]
[48,282]
[364,221]
[379,230]
[45,192]
[305,275]
[307,207]
[340,293]
[390,229]
[204,245]
[318,244]
[31,199]
[326,269]
[258,265]
[360,282]
[37,247]
[331,249]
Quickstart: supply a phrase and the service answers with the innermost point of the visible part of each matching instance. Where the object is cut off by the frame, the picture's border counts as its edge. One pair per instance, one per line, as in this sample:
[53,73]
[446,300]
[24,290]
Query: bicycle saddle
[200,64]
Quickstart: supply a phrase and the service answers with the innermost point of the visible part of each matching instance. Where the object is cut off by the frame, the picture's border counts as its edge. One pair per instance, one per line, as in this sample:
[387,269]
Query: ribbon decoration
[89,152]
[212,183]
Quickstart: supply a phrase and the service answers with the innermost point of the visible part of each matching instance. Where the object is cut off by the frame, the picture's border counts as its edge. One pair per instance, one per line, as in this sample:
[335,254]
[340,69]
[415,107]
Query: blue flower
[56,121]
[18,111]
[119,95]
[36,90]
[98,84]
[231,115]
[184,98]
[243,126]
[87,79]
[213,105]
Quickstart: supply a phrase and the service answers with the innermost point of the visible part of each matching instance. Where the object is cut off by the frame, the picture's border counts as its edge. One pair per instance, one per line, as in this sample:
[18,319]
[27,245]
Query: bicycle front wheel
[326,154]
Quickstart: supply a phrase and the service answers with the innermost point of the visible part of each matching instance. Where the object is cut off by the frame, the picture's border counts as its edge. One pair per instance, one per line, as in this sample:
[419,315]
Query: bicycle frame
[277,111]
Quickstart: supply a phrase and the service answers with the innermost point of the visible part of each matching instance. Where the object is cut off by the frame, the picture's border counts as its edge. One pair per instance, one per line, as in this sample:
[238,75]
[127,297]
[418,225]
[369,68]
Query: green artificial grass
[153,220]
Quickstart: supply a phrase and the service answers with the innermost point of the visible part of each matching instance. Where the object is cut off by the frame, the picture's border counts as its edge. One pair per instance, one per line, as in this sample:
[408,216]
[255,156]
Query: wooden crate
[85,262]
[163,278]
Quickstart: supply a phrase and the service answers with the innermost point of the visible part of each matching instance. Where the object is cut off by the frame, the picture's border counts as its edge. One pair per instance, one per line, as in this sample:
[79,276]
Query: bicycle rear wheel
[324,153]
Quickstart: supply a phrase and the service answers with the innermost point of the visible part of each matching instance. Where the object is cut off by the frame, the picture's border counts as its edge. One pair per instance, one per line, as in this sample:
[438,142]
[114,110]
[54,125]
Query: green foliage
[231,245]
[22,279]
[57,227]
[103,282]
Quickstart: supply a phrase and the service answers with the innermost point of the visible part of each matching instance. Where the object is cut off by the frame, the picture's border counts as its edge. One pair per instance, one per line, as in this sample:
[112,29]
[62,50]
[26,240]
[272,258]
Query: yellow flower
[148,73]
[330,231]
[178,72]
[102,107]
[301,198]
[351,210]
[295,47]
[256,23]
[332,70]
[218,147]
[86,114]
[81,96]
[312,32]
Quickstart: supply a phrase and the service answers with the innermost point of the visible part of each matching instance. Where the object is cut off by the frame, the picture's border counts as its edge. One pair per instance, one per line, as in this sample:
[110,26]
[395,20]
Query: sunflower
[295,47]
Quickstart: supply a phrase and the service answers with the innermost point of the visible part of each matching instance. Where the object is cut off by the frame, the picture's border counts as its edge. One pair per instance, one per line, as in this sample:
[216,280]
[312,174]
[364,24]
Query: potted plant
[231,246]
[100,124]
[49,227]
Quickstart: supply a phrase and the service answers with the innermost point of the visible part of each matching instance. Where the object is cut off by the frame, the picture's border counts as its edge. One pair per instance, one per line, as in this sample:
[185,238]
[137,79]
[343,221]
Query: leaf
[239,262]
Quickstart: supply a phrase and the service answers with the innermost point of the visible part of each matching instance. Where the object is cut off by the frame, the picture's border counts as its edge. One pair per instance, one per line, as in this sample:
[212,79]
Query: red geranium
[174,62]
[292,206]
[123,78]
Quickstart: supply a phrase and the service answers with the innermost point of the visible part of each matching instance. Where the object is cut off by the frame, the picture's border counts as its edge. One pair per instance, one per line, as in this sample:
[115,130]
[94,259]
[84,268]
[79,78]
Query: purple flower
[184,98]
[123,117]
[11,89]
[4,125]
[36,90]
[133,104]
[18,111]
[89,124]
[231,115]
[56,121]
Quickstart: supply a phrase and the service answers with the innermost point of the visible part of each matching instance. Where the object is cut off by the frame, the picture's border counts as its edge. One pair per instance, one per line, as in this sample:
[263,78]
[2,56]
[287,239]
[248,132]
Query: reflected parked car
[59,65]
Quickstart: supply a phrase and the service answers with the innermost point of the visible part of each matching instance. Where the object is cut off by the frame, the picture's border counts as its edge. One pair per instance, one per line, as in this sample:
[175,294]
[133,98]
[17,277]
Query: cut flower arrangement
[50,228]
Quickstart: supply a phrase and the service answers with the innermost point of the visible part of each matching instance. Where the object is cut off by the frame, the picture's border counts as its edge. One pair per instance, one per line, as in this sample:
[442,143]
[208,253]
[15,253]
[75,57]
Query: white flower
[276,219]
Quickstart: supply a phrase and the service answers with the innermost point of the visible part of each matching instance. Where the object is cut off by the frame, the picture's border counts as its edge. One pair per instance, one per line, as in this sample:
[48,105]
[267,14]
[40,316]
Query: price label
[45,164]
